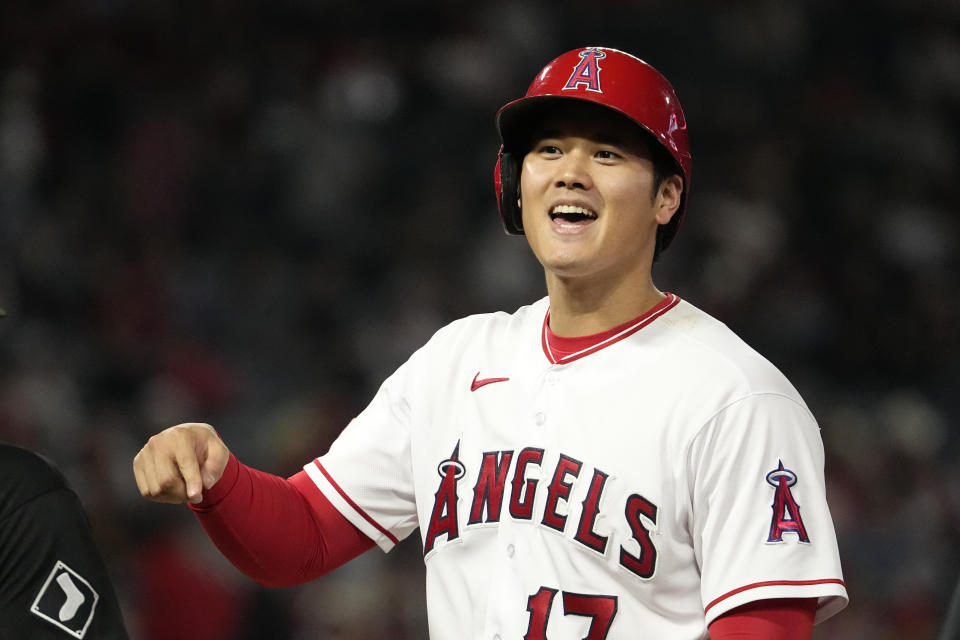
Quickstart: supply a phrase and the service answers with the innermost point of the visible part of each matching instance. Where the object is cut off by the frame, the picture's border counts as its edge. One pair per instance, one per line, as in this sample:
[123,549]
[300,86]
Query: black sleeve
[53,582]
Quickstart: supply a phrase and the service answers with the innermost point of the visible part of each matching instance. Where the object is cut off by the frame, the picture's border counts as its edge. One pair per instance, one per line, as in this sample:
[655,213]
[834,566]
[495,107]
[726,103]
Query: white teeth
[569,208]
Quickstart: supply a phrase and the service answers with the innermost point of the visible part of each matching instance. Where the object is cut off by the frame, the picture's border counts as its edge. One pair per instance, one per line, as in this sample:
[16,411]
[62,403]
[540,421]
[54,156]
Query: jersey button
[553,378]
[540,417]
[510,550]
[496,636]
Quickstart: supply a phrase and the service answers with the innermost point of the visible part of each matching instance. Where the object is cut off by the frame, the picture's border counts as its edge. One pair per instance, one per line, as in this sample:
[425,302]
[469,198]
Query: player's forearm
[264,526]
[776,619]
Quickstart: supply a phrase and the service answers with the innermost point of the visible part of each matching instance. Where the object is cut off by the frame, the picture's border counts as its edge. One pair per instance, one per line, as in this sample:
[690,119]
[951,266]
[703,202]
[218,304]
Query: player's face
[587,198]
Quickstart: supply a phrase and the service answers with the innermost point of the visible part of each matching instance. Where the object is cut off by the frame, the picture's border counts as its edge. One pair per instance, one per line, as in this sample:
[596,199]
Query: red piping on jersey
[353,504]
[774,583]
[593,343]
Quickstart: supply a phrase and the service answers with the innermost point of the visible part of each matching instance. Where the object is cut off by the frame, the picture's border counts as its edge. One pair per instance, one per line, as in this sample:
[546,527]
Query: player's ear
[669,195]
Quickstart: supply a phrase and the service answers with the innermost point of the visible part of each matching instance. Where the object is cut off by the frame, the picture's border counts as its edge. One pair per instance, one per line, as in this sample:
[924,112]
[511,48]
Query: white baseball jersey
[636,489]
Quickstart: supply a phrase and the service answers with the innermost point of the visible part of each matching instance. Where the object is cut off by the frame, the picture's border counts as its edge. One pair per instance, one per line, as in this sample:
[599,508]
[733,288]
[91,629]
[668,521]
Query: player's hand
[179,463]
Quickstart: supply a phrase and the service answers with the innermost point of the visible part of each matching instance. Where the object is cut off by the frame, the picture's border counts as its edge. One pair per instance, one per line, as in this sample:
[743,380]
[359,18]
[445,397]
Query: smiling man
[591,207]
[607,462]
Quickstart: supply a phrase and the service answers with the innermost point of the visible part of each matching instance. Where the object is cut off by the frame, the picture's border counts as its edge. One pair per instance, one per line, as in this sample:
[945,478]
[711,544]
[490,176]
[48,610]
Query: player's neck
[580,308]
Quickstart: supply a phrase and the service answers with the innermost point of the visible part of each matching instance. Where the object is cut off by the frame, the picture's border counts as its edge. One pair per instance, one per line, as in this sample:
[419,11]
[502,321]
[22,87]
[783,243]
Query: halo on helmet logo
[587,72]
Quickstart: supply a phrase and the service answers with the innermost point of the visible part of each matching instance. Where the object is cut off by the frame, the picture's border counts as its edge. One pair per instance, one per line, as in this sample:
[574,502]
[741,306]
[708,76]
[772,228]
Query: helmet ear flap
[506,178]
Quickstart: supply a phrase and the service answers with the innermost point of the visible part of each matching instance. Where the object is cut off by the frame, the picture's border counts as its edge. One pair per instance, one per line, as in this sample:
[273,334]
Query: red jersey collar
[563,350]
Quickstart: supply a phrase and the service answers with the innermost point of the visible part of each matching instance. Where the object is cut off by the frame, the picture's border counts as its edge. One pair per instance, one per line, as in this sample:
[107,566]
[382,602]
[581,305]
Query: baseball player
[53,582]
[607,462]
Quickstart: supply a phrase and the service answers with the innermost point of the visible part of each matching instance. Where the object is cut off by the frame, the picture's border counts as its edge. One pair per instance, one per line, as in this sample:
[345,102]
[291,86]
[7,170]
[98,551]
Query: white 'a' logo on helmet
[587,72]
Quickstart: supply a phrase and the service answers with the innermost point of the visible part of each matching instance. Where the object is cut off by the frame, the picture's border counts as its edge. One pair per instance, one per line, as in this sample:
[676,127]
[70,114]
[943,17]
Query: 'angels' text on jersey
[486,505]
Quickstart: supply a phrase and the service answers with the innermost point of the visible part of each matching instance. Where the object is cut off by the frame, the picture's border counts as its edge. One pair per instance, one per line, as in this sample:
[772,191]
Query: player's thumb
[214,463]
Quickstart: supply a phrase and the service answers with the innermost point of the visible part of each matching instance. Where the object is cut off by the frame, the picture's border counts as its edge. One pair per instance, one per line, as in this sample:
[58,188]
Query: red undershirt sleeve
[280,532]
[775,619]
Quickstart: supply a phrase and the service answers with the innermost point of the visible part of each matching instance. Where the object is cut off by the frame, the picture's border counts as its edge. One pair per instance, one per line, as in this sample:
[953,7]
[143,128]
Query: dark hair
[664,166]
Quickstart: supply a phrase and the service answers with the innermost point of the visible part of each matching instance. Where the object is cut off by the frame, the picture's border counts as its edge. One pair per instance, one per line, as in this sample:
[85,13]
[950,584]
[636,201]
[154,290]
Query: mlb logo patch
[66,601]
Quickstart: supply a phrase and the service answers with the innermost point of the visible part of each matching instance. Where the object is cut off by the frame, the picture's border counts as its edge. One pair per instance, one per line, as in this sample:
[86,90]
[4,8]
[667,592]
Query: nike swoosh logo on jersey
[479,382]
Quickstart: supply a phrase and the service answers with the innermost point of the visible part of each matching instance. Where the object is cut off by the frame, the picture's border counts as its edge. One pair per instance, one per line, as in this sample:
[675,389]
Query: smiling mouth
[572,213]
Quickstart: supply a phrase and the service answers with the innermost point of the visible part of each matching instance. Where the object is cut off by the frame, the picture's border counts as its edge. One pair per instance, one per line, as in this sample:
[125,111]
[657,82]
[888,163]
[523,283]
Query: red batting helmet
[613,79]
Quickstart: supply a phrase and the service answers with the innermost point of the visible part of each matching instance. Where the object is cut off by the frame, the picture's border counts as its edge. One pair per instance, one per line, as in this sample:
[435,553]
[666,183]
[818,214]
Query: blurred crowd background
[250,213]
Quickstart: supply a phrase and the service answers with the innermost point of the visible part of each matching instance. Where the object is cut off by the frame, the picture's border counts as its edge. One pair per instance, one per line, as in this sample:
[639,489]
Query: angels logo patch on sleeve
[66,601]
[786,512]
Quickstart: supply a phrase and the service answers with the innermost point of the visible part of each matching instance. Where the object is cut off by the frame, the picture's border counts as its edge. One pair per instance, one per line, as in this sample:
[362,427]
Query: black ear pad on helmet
[508,165]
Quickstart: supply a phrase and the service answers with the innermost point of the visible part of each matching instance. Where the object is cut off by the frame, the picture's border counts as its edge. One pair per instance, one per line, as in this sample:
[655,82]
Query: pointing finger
[186,460]
[138,474]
